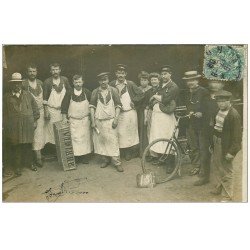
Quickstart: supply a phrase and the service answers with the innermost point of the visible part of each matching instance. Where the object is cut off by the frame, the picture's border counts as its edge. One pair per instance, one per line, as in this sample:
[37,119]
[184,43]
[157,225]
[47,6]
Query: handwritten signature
[66,187]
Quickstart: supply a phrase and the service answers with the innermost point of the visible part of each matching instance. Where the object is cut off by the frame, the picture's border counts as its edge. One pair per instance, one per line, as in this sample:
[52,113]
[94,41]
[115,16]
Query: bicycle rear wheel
[163,164]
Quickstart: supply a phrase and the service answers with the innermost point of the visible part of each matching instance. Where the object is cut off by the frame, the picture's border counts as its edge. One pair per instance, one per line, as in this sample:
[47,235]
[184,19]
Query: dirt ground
[90,183]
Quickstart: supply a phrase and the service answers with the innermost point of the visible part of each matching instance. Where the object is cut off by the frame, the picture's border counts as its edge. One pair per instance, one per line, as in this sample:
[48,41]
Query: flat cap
[103,75]
[223,94]
[121,67]
[166,68]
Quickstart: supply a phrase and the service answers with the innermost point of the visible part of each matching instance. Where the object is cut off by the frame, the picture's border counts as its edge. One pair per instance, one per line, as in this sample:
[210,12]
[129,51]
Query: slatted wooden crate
[64,148]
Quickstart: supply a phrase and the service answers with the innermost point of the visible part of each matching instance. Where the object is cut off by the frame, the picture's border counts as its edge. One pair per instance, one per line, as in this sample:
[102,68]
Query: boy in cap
[34,86]
[20,115]
[130,95]
[226,143]
[163,121]
[55,88]
[105,106]
[75,107]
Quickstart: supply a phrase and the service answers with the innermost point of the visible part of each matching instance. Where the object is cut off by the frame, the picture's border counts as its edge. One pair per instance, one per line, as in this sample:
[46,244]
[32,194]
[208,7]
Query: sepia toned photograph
[124,123]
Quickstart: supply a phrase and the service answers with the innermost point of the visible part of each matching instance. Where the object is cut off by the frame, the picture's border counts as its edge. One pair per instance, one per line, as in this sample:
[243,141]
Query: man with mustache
[105,106]
[34,86]
[130,95]
[20,115]
[55,88]
[75,107]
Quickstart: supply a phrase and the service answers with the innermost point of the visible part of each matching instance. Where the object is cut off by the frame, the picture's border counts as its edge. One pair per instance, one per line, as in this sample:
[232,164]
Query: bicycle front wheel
[163,158]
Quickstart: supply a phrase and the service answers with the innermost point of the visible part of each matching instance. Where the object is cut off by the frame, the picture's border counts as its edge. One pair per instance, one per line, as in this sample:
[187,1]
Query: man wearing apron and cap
[130,95]
[163,120]
[34,86]
[75,107]
[227,139]
[20,115]
[105,106]
[198,127]
[55,88]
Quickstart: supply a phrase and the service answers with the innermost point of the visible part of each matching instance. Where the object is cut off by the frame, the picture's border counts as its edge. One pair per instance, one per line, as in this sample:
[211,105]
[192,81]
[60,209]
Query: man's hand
[198,114]
[35,124]
[115,123]
[229,157]
[132,105]
[65,120]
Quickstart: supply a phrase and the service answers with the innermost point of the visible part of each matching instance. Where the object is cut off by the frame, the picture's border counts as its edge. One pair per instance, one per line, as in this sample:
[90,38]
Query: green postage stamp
[224,62]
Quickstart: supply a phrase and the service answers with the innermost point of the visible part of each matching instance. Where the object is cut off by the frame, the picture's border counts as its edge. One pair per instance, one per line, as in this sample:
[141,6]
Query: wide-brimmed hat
[191,75]
[16,77]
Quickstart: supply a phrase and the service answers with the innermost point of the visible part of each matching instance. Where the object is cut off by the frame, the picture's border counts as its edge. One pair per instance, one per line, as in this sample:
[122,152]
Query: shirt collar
[77,92]
[165,84]
[17,94]
[117,83]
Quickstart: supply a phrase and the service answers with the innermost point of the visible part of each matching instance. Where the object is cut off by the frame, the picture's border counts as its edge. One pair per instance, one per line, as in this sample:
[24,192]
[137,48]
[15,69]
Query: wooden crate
[64,148]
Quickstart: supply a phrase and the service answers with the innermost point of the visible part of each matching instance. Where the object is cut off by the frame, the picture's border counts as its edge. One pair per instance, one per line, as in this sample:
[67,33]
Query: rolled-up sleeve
[65,103]
[46,91]
[93,99]
[116,98]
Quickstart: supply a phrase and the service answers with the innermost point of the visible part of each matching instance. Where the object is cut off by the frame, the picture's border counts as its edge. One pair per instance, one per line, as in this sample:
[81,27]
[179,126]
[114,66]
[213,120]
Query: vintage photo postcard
[124,123]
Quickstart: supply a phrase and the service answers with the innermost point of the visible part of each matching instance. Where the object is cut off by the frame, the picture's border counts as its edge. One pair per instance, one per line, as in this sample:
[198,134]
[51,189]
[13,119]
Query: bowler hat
[16,77]
[191,75]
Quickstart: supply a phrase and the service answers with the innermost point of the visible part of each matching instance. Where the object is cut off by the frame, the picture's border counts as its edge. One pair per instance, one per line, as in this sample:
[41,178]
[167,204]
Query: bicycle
[159,164]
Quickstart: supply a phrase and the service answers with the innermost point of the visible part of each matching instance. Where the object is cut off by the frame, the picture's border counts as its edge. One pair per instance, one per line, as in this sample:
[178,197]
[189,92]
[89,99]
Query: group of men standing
[120,117]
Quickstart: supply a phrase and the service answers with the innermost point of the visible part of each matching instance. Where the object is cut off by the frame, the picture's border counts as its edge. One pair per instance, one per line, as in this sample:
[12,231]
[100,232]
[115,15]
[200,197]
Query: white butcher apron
[39,140]
[162,126]
[128,123]
[106,142]
[80,127]
[54,108]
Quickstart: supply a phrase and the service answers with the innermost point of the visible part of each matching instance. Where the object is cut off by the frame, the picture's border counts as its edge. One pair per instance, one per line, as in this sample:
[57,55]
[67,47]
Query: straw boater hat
[16,77]
[191,75]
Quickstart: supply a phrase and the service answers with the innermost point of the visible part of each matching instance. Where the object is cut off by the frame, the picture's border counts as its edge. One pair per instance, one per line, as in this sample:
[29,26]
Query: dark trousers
[21,155]
[198,141]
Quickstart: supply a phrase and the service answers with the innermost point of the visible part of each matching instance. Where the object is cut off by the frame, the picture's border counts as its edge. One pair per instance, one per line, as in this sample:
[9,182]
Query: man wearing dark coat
[131,95]
[20,115]
[227,139]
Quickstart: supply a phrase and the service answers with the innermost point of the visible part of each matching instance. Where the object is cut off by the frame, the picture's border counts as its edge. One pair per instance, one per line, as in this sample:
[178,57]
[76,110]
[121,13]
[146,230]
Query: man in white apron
[130,95]
[163,120]
[75,107]
[105,106]
[34,86]
[55,88]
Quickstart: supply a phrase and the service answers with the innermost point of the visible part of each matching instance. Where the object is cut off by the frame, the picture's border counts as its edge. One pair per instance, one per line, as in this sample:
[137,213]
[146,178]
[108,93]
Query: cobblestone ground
[90,183]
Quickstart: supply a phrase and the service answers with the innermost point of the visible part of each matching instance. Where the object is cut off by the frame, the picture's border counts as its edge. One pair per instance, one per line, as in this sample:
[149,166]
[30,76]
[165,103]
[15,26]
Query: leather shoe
[18,172]
[33,168]
[201,182]
[119,168]
[104,164]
